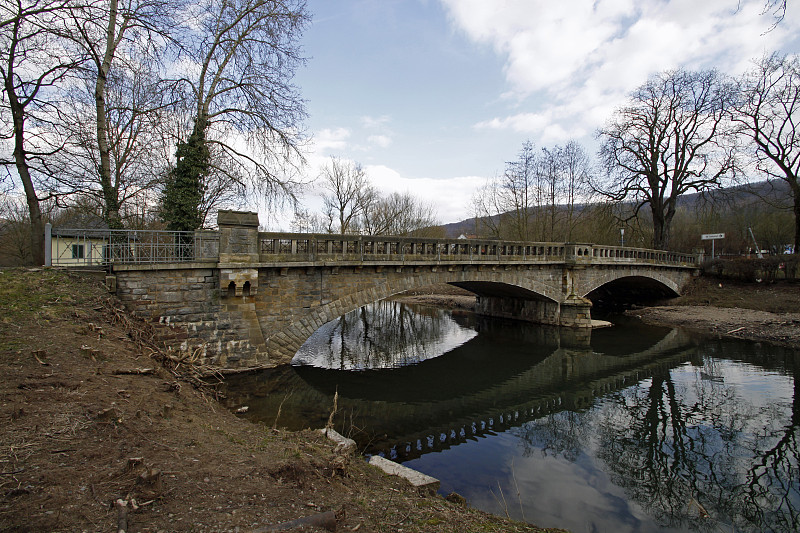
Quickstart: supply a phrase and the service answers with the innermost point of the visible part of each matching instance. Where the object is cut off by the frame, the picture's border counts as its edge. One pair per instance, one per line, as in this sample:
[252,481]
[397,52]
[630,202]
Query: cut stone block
[417,479]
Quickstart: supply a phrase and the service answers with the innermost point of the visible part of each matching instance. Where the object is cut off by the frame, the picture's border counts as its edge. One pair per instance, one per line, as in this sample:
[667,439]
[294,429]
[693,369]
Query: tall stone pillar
[238,252]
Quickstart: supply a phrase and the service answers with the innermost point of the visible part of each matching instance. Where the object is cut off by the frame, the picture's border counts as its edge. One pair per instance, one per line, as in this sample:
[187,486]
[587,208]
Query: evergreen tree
[185,184]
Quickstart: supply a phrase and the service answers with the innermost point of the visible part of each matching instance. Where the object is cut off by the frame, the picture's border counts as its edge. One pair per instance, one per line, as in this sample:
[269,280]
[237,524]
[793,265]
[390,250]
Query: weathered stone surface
[417,479]
[284,305]
[237,218]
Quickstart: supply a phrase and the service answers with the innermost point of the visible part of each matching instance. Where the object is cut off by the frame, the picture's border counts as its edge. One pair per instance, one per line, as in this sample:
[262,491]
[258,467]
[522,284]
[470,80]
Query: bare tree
[506,205]
[519,192]
[348,193]
[246,52]
[668,140]
[536,197]
[551,187]
[768,111]
[34,63]
[488,210]
[398,214]
[576,166]
[124,40]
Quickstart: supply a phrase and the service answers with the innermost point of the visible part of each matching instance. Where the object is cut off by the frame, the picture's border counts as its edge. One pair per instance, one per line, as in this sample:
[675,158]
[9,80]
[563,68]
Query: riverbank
[93,412]
[765,312]
[752,311]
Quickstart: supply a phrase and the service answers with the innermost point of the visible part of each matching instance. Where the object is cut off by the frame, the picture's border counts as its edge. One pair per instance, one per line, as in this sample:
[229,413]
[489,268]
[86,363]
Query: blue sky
[434,96]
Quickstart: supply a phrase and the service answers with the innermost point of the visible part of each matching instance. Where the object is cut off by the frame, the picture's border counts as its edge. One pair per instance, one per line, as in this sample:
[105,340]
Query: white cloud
[451,197]
[381,141]
[584,56]
[374,122]
[331,139]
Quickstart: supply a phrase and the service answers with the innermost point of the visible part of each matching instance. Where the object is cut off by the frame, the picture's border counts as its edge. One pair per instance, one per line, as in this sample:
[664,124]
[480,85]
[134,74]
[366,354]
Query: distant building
[80,241]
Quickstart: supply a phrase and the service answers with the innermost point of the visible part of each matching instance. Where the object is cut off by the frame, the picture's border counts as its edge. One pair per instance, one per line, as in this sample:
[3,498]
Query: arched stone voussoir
[674,281]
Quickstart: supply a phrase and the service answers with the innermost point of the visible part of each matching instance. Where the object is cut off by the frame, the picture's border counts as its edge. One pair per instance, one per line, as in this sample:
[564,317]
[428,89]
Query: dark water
[636,429]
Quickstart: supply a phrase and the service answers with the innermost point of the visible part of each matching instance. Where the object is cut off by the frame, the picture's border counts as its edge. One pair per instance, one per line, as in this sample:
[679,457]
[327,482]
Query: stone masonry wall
[186,303]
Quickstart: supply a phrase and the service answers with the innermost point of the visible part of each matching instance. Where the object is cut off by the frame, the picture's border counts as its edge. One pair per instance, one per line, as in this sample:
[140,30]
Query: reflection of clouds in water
[639,457]
[553,491]
[384,334]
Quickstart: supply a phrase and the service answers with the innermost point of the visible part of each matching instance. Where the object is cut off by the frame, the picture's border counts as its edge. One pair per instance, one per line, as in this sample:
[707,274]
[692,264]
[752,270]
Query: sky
[433,97]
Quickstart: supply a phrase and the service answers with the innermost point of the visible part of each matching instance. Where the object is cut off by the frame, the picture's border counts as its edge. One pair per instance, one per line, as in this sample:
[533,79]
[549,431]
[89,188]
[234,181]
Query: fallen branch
[122,515]
[37,353]
[326,520]
[735,330]
[134,372]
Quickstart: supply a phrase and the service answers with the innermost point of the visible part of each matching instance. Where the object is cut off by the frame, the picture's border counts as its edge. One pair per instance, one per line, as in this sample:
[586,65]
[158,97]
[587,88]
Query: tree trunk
[110,193]
[797,222]
[21,161]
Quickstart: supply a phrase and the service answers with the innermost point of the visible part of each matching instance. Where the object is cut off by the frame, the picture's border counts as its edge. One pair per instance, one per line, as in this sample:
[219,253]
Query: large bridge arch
[669,280]
[348,289]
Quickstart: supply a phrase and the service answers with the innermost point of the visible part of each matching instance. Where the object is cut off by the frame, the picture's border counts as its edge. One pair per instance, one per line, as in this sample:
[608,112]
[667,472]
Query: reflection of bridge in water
[483,386]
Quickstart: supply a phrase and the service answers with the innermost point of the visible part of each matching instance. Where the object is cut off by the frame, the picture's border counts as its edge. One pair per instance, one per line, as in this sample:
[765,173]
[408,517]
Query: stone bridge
[256,298]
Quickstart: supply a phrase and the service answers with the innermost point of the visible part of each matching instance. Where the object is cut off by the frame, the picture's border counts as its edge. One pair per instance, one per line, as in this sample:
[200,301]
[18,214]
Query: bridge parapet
[324,248]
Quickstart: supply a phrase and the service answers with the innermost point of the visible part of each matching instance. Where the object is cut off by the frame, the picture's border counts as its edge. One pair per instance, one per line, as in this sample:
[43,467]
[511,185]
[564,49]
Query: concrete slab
[417,479]
[342,442]
[600,324]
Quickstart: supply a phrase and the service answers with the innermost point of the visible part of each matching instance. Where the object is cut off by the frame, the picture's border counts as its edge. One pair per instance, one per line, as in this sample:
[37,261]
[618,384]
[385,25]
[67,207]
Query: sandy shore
[776,328]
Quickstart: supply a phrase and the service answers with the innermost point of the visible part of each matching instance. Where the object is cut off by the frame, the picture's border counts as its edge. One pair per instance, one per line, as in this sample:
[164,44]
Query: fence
[100,248]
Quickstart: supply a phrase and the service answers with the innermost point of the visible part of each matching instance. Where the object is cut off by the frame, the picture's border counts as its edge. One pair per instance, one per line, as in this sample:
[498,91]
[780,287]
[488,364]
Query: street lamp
[622,237]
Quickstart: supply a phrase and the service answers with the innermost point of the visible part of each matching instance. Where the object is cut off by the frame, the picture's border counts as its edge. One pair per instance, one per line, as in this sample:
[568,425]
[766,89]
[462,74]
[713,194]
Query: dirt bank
[89,416]
[441,295]
[753,311]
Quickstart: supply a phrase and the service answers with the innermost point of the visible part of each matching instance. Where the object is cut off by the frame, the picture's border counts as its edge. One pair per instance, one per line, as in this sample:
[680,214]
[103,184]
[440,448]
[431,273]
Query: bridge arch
[490,285]
[611,276]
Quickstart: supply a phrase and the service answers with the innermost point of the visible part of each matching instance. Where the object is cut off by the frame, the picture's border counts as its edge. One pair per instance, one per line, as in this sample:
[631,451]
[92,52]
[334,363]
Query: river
[637,428]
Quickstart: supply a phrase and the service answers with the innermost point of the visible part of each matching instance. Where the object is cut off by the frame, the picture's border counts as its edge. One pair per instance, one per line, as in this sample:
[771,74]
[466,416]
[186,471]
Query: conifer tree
[185,184]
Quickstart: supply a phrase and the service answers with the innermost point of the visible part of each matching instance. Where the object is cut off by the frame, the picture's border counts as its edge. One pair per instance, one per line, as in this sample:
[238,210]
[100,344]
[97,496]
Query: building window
[77,251]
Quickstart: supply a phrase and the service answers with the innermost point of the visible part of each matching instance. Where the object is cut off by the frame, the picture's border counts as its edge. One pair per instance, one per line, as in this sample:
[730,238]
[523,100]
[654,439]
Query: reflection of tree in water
[684,453]
[562,434]
[772,480]
[384,334]
[692,450]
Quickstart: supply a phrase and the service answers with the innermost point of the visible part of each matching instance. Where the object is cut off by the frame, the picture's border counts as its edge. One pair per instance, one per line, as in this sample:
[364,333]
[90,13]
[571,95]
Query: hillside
[776,192]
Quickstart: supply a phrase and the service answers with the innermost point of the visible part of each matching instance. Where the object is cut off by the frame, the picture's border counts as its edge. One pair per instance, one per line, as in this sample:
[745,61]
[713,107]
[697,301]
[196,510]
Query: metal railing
[100,248]
[96,247]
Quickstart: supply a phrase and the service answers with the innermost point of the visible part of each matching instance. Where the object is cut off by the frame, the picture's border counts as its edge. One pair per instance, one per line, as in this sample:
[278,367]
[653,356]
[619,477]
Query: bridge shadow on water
[639,429]
[507,374]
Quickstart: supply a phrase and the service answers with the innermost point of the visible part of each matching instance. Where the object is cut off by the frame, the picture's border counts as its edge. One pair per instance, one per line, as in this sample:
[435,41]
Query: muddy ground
[754,311]
[92,412]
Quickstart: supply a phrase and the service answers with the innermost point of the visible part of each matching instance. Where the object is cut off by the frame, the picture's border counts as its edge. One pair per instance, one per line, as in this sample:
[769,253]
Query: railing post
[48,244]
[238,250]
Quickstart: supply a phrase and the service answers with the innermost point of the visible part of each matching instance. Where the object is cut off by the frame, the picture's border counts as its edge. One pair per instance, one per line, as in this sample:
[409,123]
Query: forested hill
[773,194]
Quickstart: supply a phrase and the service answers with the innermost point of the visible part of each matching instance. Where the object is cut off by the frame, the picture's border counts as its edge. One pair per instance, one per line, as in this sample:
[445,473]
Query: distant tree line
[679,133]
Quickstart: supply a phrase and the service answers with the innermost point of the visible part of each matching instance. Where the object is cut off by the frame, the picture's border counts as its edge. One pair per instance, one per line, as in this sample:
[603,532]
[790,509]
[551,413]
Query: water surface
[638,429]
